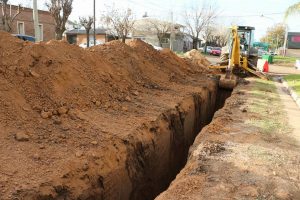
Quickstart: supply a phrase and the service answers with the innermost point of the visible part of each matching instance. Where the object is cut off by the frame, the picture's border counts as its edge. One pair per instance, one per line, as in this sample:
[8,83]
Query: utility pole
[285,39]
[94,22]
[172,35]
[36,22]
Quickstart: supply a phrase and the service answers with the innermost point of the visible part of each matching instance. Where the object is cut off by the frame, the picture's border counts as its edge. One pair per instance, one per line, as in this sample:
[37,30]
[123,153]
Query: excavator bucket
[227,83]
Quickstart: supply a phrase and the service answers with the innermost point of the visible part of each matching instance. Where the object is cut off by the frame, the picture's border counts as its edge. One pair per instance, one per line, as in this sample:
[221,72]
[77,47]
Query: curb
[291,92]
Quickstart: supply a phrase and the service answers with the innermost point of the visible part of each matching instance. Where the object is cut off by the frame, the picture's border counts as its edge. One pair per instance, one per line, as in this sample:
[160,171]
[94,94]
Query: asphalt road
[212,59]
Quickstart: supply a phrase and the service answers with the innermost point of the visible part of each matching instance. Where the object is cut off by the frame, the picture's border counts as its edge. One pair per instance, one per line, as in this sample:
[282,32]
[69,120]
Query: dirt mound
[197,56]
[58,100]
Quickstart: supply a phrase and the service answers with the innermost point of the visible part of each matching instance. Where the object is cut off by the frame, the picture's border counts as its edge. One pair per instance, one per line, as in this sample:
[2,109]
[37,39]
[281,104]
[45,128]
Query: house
[78,36]
[23,23]
[148,29]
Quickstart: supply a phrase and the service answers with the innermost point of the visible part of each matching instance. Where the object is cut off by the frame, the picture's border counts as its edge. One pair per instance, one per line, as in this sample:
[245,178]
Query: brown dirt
[234,158]
[197,58]
[69,117]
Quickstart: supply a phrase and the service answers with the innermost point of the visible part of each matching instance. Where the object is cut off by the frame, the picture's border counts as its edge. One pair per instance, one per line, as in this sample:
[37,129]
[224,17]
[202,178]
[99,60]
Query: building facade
[293,40]
[23,23]
[79,37]
[146,31]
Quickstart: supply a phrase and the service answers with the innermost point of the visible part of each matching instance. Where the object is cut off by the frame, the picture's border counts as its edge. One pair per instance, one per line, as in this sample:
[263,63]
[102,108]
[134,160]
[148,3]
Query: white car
[156,47]
[84,45]
[208,49]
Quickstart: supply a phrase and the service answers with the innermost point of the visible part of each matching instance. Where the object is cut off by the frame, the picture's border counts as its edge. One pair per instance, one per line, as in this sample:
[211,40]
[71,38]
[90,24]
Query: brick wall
[26,17]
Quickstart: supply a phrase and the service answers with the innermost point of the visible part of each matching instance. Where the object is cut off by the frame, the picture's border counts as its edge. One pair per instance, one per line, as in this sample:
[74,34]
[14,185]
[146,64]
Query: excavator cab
[245,35]
[238,57]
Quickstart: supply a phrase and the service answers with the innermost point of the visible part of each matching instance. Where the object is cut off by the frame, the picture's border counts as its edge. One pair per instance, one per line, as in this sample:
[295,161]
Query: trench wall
[155,154]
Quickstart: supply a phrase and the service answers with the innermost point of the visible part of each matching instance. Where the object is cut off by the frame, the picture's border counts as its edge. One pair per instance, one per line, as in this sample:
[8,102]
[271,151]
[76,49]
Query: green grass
[267,105]
[284,60]
[294,81]
[179,53]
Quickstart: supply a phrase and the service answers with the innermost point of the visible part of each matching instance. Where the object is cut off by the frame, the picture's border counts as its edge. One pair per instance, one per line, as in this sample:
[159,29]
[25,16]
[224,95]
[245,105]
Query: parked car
[25,37]
[208,49]
[201,49]
[272,53]
[261,52]
[156,47]
[216,51]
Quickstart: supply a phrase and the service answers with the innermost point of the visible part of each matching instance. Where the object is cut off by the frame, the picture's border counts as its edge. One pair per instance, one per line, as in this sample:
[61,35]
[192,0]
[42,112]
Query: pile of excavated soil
[66,113]
[197,59]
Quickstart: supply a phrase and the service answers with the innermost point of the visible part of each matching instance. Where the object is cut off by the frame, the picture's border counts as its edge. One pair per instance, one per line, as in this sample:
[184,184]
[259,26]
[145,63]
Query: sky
[258,13]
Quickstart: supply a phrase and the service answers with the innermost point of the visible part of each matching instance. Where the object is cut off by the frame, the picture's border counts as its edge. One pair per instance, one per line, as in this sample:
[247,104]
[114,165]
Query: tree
[160,28]
[7,19]
[156,27]
[119,22]
[207,35]
[292,9]
[197,20]
[275,36]
[87,22]
[60,11]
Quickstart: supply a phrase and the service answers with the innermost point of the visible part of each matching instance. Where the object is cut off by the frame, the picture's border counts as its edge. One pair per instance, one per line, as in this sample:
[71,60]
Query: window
[21,28]
[41,32]
[165,40]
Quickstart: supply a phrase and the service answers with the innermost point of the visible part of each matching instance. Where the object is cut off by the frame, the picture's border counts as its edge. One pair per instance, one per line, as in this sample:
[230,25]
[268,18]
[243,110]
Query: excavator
[238,58]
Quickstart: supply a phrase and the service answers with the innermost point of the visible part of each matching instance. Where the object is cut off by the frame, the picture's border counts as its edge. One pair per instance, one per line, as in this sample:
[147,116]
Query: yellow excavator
[238,57]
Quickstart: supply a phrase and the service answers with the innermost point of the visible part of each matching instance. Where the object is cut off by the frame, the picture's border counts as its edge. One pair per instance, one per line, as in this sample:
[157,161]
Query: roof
[293,33]
[99,31]
[246,28]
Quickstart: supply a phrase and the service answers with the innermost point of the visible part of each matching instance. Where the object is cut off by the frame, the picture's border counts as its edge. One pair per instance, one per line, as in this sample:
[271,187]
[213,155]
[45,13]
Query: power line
[254,15]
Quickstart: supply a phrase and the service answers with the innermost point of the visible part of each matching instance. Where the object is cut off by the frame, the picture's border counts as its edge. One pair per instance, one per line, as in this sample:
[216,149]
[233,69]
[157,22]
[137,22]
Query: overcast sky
[240,12]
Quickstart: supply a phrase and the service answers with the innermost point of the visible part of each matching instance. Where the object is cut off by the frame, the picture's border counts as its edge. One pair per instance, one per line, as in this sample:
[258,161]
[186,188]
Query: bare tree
[207,34]
[152,26]
[60,11]
[119,22]
[197,20]
[6,18]
[223,34]
[87,22]
[160,28]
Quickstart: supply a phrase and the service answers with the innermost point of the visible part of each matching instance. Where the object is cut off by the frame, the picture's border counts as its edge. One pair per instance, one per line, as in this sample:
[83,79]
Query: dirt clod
[94,142]
[21,136]
[46,114]
[62,110]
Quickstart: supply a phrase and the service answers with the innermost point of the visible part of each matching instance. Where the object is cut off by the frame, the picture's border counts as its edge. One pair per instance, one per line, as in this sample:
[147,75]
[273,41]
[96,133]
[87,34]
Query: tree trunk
[159,37]
[195,43]
[160,42]
[87,38]
[59,34]
[124,38]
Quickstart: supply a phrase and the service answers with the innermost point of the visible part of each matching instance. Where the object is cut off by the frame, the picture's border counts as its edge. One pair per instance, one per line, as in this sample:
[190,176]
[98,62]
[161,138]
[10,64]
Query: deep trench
[154,154]
[156,178]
